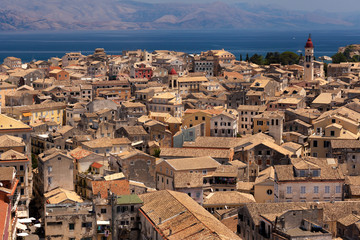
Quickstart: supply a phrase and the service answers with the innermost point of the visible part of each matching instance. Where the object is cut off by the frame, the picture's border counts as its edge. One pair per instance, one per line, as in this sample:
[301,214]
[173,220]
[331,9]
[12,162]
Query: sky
[304,5]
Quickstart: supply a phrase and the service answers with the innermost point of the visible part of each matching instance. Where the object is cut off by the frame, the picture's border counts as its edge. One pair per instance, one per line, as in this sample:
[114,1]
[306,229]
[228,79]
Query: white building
[224,125]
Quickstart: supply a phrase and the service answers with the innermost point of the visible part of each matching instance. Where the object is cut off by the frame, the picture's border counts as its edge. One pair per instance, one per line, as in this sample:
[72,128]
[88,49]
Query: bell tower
[172,78]
[309,60]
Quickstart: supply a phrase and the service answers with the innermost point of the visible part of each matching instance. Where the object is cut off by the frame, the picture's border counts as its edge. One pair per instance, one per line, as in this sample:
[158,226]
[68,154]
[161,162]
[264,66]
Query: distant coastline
[42,45]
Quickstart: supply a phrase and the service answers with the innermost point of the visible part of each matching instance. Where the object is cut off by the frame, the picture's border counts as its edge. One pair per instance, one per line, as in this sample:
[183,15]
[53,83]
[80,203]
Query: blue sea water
[43,45]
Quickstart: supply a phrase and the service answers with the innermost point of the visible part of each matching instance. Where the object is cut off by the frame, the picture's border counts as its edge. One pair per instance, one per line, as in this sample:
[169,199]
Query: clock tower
[309,60]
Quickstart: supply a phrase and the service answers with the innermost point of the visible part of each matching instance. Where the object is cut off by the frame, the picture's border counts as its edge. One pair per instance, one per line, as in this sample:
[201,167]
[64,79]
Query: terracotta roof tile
[119,187]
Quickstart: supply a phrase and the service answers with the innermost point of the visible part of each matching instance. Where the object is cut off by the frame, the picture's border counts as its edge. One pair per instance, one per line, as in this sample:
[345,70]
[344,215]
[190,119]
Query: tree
[257,59]
[339,57]
[356,58]
[34,161]
[325,69]
[272,57]
[157,152]
[240,57]
[289,58]
[247,57]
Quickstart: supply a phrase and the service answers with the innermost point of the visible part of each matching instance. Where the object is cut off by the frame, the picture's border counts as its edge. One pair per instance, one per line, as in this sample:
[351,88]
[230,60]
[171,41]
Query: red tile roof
[96,165]
[4,210]
[119,187]
[79,153]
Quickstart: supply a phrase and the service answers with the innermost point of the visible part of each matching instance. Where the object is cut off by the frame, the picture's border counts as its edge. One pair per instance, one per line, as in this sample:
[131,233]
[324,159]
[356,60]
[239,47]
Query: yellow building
[173,123]
[194,117]
[261,123]
[53,111]
[264,186]
[339,124]
[5,88]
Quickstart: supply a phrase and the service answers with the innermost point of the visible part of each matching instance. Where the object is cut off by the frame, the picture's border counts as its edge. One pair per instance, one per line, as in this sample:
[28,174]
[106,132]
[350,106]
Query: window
[269,192]
[49,169]
[71,226]
[315,143]
[302,189]
[288,190]
[259,123]
[333,120]
[21,179]
[204,171]
[338,189]
[49,180]
[196,118]
[316,173]
[203,118]
[148,162]
[22,191]
[327,189]
[332,133]
[215,123]
[86,224]
[302,173]
[316,189]
[103,210]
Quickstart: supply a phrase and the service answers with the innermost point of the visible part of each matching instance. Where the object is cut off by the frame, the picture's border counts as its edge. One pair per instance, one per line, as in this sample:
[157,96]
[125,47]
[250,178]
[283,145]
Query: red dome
[309,43]
[172,72]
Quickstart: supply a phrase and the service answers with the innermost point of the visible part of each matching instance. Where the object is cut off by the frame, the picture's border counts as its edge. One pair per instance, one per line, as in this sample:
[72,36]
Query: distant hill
[116,14]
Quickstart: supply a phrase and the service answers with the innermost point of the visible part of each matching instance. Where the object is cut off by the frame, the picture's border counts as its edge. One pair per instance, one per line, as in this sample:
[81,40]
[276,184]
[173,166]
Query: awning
[22,234]
[27,114]
[103,222]
[21,226]
[136,143]
[38,225]
[24,220]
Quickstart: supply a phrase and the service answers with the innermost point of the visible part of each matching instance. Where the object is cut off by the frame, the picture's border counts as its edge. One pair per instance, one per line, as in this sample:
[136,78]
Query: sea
[43,45]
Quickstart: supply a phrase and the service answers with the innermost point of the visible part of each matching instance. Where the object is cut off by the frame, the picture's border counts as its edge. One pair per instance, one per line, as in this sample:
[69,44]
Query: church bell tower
[309,60]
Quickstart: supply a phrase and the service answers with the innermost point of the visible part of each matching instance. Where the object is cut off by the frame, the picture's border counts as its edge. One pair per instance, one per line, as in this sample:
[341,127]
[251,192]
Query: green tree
[338,58]
[34,161]
[157,153]
[347,51]
[356,58]
[325,69]
[272,57]
[257,59]
[289,58]
[247,57]
[240,57]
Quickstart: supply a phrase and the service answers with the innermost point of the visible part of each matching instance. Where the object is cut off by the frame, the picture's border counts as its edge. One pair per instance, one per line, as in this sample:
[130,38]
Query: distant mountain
[116,14]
